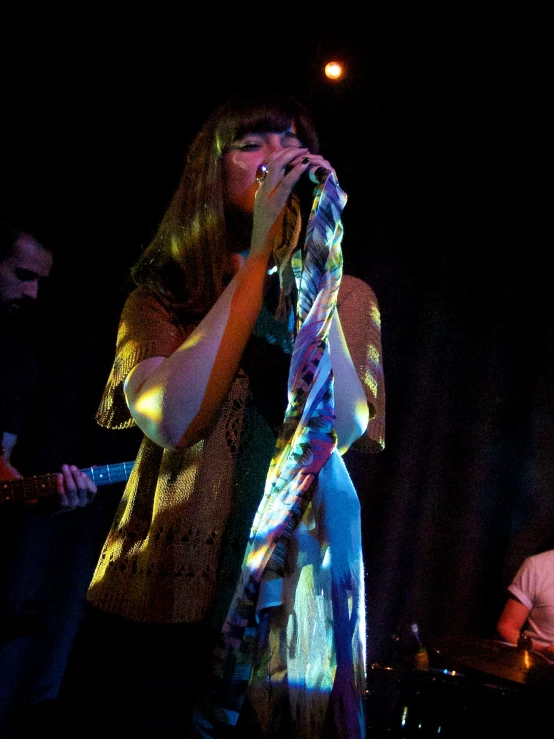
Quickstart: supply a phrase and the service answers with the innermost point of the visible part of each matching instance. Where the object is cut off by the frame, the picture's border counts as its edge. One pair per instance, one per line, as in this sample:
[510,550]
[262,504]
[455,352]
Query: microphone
[315,174]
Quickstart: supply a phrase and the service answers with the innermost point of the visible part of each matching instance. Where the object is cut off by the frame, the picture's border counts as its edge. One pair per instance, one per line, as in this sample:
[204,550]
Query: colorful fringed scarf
[295,496]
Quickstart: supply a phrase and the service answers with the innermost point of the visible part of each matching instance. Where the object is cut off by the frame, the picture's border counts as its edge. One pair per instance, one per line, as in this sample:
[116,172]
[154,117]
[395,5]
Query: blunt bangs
[243,117]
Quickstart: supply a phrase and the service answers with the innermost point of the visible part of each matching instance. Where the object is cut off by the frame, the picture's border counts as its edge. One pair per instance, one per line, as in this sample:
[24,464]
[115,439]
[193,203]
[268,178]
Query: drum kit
[471,688]
[500,659]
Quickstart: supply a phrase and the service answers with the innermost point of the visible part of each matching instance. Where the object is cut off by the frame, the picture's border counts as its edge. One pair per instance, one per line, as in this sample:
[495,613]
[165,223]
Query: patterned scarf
[307,441]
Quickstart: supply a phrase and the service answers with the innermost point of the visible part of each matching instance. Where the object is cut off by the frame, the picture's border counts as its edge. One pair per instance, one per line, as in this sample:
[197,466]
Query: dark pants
[126,678]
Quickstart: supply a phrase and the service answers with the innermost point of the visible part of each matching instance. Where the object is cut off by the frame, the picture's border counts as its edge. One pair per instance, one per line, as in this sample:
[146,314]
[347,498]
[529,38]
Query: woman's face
[241,162]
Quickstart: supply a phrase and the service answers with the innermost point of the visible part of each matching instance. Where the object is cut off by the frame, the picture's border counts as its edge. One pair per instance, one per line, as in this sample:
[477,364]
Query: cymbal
[497,658]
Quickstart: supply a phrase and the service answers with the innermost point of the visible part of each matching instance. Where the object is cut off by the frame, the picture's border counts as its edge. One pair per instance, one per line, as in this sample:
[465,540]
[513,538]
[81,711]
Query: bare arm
[351,408]
[511,620]
[174,400]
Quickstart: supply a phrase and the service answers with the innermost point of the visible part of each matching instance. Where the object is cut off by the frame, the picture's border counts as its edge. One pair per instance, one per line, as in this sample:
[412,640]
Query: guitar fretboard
[30,488]
[109,473]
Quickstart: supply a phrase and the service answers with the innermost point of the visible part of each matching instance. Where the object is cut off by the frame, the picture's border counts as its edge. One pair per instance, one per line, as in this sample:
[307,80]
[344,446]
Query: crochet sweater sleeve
[147,328]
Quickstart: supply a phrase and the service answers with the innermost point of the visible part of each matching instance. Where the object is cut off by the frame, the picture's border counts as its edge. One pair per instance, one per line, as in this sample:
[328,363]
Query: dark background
[438,134]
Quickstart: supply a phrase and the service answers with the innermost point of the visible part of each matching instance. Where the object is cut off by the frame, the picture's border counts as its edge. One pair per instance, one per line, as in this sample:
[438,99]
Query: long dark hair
[185,261]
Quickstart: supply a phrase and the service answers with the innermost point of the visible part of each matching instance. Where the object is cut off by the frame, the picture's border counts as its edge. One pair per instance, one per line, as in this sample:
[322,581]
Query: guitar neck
[109,473]
[30,488]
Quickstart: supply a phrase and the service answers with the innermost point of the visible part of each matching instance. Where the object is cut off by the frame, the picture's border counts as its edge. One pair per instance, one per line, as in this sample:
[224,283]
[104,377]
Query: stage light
[334,70]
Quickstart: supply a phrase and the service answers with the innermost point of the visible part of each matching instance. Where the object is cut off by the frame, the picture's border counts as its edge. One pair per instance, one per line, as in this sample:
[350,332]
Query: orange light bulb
[333,70]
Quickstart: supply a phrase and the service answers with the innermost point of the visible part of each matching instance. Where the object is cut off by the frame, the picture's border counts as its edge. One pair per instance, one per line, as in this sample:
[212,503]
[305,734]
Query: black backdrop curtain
[463,491]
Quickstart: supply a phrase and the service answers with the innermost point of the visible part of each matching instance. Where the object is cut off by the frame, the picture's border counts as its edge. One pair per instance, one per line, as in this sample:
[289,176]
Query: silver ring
[261,174]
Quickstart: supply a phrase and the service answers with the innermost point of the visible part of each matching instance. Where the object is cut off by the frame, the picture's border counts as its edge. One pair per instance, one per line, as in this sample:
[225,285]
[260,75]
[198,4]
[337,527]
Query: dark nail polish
[305,160]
